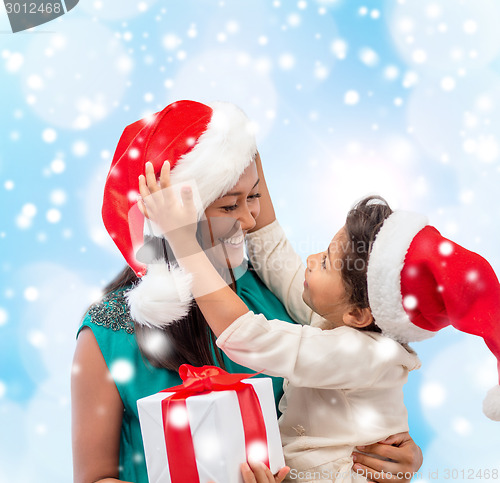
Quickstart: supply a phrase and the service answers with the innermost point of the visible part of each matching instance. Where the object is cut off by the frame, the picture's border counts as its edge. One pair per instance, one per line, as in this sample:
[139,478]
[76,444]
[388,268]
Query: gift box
[204,429]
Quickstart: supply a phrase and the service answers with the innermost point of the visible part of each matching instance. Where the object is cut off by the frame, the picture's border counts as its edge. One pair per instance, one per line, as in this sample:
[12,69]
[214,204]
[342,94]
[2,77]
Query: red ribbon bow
[178,439]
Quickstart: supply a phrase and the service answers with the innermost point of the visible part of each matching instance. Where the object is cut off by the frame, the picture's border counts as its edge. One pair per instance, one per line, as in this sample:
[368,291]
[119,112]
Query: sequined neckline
[113,313]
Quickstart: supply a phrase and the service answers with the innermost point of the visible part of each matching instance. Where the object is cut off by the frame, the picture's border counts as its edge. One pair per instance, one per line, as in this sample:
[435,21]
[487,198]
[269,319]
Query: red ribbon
[198,381]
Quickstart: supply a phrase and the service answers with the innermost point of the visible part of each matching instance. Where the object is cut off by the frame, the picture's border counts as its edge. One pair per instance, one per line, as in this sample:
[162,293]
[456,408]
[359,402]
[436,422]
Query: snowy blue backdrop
[397,97]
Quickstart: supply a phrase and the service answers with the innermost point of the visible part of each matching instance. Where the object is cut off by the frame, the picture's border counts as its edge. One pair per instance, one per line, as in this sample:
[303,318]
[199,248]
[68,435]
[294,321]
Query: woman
[118,360]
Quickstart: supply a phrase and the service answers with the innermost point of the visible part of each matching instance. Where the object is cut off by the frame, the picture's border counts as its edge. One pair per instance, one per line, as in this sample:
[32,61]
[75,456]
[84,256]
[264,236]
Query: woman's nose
[246,219]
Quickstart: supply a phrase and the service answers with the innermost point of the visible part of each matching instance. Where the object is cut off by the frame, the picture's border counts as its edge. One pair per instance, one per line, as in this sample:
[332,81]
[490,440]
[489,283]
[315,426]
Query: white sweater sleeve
[342,358]
[281,269]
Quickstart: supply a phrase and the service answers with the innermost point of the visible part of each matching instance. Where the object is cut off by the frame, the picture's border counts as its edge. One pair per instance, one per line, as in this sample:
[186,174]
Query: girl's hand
[160,204]
[395,459]
[258,472]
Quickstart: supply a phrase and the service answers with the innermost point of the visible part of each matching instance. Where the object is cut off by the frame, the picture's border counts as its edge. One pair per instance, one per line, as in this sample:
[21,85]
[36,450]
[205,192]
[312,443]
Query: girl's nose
[314,261]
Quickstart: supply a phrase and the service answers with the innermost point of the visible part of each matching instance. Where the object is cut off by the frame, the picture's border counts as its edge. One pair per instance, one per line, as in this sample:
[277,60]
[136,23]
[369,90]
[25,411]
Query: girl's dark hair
[187,341]
[362,225]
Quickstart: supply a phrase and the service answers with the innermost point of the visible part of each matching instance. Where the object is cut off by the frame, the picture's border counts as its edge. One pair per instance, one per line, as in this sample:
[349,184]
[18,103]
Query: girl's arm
[97,412]
[301,354]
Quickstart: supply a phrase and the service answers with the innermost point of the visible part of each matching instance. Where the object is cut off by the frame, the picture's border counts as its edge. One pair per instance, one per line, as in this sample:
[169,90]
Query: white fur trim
[384,276]
[221,154]
[161,297]
[491,404]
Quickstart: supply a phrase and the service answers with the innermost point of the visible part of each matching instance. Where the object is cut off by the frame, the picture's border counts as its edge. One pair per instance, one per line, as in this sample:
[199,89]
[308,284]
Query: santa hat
[420,282]
[210,144]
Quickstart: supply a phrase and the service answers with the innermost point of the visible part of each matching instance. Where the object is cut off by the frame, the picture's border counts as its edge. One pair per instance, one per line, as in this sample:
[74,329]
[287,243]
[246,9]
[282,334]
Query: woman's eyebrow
[239,193]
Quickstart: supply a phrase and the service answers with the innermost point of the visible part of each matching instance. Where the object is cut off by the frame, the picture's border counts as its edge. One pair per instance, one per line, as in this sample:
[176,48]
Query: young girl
[344,384]
[416,282]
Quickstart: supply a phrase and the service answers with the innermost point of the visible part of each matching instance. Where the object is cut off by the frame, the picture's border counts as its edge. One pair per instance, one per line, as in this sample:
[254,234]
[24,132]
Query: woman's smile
[235,241]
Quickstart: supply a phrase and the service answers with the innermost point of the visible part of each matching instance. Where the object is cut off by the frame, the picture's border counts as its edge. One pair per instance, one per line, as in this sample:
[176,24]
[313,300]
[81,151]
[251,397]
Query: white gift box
[217,433]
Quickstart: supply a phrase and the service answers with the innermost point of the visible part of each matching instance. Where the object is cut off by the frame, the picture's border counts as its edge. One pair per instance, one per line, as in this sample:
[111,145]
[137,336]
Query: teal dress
[136,378]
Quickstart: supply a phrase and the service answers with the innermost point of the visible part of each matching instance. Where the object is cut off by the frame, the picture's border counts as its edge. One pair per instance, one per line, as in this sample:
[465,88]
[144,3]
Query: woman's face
[231,216]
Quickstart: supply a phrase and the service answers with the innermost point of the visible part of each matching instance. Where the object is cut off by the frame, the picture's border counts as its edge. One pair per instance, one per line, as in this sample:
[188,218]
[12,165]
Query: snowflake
[80,148]
[351,98]
[58,197]
[3,316]
[448,83]
[391,72]
[171,41]
[49,135]
[178,416]
[410,302]
[14,62]
[29,210]
[472,276]
[37,338]
[470,27]
[257,451]
[53,215]
[432,394]
[445,248]
[369,57]
[462,426]
[339,48]
[286,61]
[208,447]
[419,56]
[122,370]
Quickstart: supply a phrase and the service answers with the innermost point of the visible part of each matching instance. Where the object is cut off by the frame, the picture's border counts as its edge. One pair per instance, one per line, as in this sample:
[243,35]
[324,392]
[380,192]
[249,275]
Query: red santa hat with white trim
[209,144]
[420,282]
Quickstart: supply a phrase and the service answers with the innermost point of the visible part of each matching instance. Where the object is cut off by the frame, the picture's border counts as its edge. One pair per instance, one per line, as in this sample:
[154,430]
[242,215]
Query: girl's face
[324,290]
[231,216]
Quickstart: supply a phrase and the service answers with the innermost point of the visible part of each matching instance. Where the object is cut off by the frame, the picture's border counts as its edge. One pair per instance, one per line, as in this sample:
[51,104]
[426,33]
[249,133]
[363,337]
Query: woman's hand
[395,459]
[177,221]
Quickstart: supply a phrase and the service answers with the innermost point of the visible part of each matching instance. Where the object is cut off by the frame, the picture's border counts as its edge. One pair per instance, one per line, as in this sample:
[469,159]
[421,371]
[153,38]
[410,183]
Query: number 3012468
[27,8]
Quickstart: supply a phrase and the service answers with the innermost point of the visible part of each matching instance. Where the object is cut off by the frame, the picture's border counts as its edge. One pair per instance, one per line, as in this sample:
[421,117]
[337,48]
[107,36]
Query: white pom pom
[491,404]
[162,297]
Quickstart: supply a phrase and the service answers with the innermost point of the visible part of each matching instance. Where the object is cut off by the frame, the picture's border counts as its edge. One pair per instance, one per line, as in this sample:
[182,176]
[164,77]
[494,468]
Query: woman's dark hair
[187,341]
[362,225]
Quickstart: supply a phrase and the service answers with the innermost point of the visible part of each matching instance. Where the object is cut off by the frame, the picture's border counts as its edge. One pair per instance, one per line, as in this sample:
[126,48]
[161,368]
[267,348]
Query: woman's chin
[235,254]
[228,255]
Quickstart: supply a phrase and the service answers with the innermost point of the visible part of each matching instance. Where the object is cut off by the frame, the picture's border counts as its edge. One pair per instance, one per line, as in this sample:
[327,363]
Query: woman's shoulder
[111,312]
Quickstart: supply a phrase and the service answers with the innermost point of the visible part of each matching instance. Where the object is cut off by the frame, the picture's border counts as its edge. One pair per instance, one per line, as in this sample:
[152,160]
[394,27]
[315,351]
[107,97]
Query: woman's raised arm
[97,412]
[266,215]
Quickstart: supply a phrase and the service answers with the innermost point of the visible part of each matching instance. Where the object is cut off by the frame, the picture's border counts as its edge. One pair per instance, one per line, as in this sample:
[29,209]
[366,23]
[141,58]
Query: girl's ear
[358,318]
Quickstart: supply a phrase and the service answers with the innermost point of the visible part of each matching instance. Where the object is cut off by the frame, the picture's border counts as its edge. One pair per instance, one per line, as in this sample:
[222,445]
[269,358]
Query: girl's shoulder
[111,312]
